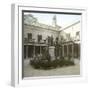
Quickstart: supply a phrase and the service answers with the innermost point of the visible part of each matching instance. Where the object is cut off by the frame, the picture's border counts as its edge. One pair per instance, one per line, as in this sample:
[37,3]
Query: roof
[57,28]
[70,25]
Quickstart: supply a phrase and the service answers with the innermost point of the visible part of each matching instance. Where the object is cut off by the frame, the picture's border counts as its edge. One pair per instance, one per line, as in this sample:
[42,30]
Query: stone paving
[29,71]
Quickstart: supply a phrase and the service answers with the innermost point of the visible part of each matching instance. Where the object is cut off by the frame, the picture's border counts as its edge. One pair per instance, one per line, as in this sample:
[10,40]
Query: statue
[51,40]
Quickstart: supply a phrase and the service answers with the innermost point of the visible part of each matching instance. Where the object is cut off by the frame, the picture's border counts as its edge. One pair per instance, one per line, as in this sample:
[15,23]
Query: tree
[29,19]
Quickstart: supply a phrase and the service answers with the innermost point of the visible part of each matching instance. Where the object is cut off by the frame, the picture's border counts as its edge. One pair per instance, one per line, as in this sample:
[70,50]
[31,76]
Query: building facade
[60,42]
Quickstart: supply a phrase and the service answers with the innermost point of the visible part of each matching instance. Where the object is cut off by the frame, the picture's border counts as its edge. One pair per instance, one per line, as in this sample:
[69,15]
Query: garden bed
[48,64]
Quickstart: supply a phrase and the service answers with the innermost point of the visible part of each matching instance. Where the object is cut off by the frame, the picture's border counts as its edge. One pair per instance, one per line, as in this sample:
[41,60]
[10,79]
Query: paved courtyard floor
[29,71]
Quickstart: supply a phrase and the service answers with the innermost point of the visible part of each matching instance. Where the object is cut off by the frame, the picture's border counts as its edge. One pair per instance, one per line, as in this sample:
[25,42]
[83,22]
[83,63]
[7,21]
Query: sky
[62,19]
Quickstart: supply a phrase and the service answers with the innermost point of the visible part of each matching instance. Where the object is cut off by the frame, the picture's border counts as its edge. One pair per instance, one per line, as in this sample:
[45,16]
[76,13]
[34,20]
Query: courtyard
[29,71]
[51,49]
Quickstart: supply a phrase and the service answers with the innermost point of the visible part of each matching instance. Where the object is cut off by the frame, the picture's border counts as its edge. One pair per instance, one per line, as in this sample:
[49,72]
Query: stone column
[63,50]
[40,50]
[78,50]
[26,51]
[67,50]
[59,52]
[34,50]
[72,51]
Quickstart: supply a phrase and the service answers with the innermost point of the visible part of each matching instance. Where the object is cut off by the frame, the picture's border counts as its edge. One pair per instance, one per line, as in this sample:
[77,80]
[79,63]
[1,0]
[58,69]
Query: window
[68,37]
[29,36]
[39,38]
[77,33]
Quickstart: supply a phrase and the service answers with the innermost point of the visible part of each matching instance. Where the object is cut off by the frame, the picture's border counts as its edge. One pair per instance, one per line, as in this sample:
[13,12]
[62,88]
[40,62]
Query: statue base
[52,52]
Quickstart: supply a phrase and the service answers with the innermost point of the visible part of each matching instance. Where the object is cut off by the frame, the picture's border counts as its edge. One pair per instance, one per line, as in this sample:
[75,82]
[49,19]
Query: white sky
[62,19]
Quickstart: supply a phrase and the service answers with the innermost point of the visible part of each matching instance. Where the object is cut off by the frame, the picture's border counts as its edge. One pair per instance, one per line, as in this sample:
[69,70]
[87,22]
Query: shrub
[48,64]
[61,63]
[54,63]
[35,64]
[65,63]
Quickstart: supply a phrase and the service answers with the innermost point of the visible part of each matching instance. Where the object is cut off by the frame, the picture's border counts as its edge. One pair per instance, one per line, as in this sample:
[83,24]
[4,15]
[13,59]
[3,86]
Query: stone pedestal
[52,52]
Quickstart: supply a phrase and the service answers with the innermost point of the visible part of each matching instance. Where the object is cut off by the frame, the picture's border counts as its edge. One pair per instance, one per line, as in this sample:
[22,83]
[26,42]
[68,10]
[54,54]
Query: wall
[71,29]
[39,31]
[5,45]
